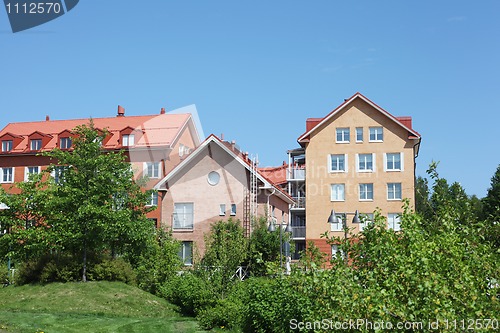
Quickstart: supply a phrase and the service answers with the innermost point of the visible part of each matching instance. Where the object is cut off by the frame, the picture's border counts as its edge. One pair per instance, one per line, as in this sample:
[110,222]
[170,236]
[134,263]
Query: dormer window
[65,143]
[128,140]
[36,144]
[7,145]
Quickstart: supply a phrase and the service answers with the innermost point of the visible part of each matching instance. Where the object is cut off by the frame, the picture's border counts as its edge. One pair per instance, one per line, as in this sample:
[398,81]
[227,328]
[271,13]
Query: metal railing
[298,232]
[300,202]
[296,173]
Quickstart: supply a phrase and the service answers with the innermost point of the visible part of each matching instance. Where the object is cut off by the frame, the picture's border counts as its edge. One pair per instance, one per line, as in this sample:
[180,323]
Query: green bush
[4,274]
[190,292]
[48,269]
[113,270]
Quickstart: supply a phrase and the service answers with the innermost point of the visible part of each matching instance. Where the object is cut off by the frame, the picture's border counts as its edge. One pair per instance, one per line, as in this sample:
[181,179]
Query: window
[153,199]
[343,135]
[213,178]
[233,210]
[222,210]
[32,170]
[359,134]
[338,163]
[393,162]
[366,219]
[153,169]
[337,226]
[338,192]
[6,145]
[186,253]
[36,144]
[128,140]
[65,143]
[365,191]
[376,134]
[394,191]
[7,175]
[394,221]
[58,174]
[183,216]
[336,251]
[365,163]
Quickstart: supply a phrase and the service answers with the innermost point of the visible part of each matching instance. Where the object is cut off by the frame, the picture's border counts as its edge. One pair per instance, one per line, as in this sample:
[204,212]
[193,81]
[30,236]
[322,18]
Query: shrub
[113,270]
[189,292]
[48,269]
[4,274]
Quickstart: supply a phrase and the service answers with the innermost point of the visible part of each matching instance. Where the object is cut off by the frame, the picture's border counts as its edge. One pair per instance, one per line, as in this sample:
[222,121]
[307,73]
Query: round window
[213,178]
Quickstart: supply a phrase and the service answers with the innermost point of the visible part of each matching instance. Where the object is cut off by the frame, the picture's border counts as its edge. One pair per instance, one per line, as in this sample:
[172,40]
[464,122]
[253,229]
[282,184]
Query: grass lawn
[87,307]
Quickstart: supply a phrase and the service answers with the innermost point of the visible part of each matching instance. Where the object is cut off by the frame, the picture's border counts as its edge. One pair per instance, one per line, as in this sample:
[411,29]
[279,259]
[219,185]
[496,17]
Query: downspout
[415,155]
[268,207]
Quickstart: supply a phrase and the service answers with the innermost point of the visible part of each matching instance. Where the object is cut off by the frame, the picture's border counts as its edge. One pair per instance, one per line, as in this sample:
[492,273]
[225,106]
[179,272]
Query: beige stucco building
[358,157]
[216,182]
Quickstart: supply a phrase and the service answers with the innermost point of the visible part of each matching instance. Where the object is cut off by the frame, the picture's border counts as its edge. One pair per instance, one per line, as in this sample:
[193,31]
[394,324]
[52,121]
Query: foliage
[226,250]
[264,247]
[95,207]
[4,274]
[111,269]
[159,262]
[491,210]
[190,292]
[312,257]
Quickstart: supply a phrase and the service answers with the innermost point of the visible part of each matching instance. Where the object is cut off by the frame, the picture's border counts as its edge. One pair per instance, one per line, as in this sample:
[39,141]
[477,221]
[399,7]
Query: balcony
[300,203]
[298,232]
[296,173]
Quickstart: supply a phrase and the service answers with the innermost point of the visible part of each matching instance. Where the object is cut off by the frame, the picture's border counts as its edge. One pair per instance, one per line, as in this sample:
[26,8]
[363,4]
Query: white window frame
[63,143]
[35,144]
[58,173]
[374,131]
[155,170]
[360,159]
[128,140]
[337,226]
[394,221]
[2,175]
[7,145]
[359,133]
[233,210]
[27,172]
[392,188]
[186,253]
[343,132]
[367,218]
[222,210]
[335,195]
[388,160]
[367,192]
[185,220]
[330,158]
[337,251]
[153,199]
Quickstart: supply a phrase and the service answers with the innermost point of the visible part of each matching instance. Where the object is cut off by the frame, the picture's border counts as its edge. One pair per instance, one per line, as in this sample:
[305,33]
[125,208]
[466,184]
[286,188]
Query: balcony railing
[296,174]
[298,232]
[300,202]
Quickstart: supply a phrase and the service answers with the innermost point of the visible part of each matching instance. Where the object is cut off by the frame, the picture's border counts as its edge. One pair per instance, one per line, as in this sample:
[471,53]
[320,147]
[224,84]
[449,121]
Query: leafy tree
[96,206]
[226,250]
[491,210]
[264,247]
[422,197]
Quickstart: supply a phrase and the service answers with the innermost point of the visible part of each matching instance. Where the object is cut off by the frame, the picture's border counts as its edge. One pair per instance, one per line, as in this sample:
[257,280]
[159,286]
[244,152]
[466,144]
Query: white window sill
[394,199]
[393,170]
[337,200]
[364,171]
[338,171]
[376,141]
[341,142]
[366,200]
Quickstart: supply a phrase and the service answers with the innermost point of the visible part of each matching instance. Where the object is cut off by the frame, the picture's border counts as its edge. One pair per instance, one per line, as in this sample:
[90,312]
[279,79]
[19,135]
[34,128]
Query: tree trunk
[84,272]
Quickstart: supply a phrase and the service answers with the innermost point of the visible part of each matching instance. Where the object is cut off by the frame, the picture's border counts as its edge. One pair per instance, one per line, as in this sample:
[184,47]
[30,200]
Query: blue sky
[257,69]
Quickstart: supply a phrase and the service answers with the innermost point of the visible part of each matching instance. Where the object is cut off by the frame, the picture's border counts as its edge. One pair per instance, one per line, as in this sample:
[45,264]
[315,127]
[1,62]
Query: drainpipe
[268,207]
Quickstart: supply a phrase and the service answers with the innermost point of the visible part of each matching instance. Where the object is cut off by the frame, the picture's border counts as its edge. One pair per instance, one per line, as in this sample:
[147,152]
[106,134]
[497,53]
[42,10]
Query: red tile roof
[277,175]
[158,130]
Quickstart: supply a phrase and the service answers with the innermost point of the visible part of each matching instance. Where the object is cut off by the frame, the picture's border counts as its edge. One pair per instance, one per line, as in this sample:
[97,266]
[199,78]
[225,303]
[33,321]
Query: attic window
[36,144]
[213,178]
[65,143]
[6,145]
[128,140]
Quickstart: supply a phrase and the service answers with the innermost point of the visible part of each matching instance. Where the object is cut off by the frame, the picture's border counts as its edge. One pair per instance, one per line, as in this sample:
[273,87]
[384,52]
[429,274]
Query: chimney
[245,156]
[121,111]
[222,136]
[233,144]
[312,122]
[47,118]
[162,111]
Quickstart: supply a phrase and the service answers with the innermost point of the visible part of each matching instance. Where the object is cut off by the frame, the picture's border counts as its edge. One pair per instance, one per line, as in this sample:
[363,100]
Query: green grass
[87,307]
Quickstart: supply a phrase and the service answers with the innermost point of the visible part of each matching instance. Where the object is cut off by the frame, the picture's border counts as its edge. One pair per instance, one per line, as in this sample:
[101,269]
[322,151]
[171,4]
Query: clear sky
[257,69]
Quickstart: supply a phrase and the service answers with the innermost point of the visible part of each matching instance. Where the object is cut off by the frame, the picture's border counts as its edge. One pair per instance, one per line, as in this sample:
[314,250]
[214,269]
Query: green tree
[226,250]
[264,247]
[491,210]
